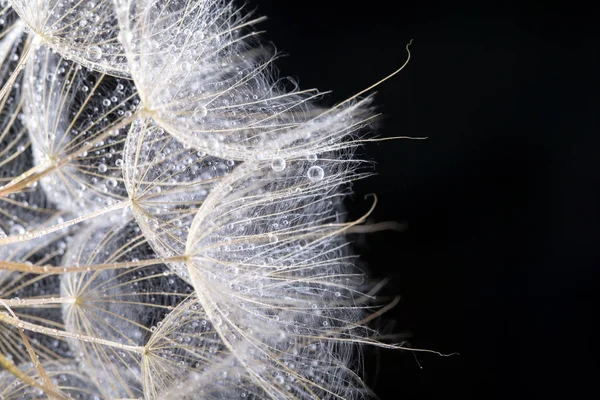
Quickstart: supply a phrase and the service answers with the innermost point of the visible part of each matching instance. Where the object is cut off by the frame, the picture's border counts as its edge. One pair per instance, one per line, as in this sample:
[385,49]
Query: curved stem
[55,270]
[31,43]
[27,178]
[16,303]
[46,385]
[38,233]
[16,322]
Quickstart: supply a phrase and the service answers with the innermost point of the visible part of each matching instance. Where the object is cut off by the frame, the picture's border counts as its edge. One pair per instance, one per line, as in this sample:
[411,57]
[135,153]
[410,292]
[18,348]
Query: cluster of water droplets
[171,220]
[84,31]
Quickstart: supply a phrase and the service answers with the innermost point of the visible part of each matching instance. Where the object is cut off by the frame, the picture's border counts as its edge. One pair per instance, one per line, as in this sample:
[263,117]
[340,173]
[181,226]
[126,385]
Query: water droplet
[94,53]
[185,67]
[278,164]
[315,174]
[311,157]
[200,112]
[16,229]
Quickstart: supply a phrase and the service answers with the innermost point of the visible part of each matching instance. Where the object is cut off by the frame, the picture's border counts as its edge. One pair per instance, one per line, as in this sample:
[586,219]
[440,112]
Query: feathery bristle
[171,213]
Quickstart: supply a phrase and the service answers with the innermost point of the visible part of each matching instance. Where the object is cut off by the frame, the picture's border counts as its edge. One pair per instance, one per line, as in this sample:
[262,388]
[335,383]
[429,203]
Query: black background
[499,260]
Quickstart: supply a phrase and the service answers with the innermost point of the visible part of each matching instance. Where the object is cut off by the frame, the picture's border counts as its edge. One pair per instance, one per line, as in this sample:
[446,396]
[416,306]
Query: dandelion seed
[84,34]
[167,190]
[221,98]
[62,125]
[109,306]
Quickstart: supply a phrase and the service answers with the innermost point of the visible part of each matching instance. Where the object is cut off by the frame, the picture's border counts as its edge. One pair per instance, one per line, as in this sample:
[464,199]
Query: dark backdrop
[499,260]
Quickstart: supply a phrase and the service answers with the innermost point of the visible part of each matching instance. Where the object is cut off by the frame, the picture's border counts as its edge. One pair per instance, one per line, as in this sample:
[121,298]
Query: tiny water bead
[200,112]
[185,67]
[17,229]
[111,183]
[315,174]
[94,53]
[278,164]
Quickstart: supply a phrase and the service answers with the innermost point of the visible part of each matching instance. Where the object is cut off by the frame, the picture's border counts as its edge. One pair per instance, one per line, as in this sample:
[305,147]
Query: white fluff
[171,221]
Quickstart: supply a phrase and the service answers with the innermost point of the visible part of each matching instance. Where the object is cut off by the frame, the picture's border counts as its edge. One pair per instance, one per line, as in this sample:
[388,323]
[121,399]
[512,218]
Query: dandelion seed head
[171,211]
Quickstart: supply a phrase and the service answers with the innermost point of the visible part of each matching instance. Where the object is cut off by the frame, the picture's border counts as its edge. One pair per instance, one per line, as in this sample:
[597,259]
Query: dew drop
[315,174]
[200,112]
[278,164]
[17,229]
[185,67]
[94,53]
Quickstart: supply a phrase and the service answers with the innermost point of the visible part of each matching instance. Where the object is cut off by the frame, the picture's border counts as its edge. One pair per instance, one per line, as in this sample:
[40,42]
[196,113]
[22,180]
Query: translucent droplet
[185,67]
[311,157]
[200,112]
[315,174]
[94,53]
[17,229]
[278,164]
